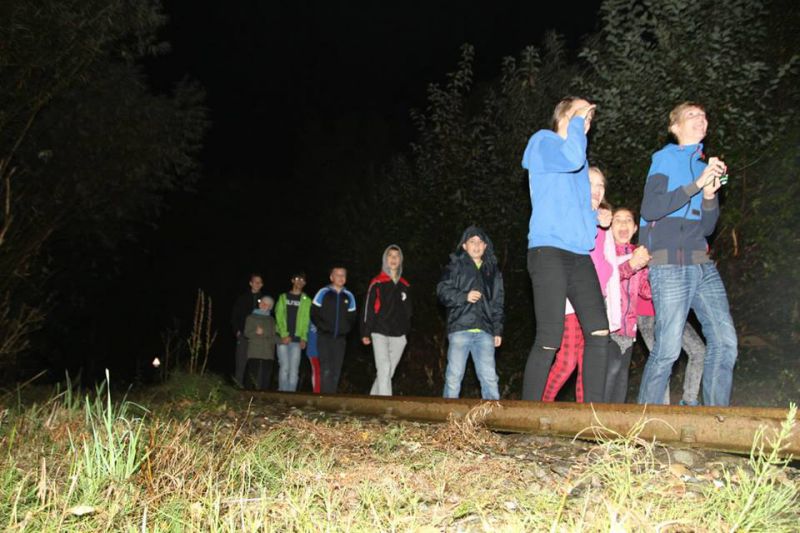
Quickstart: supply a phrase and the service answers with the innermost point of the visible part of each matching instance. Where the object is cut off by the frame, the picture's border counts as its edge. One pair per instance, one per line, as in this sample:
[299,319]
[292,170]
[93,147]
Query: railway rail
[728,429]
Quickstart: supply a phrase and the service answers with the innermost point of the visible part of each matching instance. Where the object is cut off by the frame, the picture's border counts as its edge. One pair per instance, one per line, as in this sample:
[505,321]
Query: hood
[488,255]
[385,267]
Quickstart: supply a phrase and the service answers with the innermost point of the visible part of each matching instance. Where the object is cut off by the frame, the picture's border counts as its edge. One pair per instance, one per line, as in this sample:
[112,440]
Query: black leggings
[557,275]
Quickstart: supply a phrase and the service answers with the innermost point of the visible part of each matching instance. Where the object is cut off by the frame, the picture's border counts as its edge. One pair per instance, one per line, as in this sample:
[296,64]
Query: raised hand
[586,111]
[641,256]
[604,217]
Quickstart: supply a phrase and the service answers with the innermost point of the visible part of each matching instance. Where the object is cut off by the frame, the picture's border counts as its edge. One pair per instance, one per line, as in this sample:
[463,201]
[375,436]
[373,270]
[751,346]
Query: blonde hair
[677,111]
[602,175]
[562,107]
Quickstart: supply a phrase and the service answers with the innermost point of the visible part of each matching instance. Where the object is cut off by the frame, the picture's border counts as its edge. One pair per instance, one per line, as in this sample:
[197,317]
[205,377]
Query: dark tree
[87,151]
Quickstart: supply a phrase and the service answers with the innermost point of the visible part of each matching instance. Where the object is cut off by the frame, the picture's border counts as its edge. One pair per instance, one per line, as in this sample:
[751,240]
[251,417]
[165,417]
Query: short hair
[337,266]
[677,111]
[605,204]
[562,107]
[269,299]
[255,275]
[298,274]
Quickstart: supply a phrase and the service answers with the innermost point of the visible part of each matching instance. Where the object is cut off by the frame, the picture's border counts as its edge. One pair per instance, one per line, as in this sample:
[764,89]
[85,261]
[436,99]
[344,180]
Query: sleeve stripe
[366,301]
[351,307]
[319,296]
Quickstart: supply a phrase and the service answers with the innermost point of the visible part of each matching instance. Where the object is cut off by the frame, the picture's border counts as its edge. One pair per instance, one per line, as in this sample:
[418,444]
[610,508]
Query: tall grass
[107,455]
[103,465]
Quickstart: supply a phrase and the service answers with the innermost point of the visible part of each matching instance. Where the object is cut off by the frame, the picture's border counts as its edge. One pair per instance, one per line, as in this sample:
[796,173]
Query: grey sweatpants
[388,351]
[694,347]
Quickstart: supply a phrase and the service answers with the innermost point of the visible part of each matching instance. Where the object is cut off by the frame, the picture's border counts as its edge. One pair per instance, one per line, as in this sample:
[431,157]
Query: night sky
[301,96]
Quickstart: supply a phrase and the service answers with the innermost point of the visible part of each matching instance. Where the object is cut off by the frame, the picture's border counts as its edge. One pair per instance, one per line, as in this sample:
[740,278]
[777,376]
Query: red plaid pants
[569,356]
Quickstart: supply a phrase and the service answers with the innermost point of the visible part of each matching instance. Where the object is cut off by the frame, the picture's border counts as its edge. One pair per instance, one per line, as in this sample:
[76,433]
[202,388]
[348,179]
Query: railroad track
[729,429]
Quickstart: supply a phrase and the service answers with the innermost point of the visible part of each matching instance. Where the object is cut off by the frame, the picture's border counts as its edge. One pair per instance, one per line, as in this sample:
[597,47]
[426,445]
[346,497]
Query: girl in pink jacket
[633,285]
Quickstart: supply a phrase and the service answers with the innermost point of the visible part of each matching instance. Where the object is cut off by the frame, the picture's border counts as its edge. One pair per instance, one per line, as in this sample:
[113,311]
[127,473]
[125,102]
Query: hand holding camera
[712,177]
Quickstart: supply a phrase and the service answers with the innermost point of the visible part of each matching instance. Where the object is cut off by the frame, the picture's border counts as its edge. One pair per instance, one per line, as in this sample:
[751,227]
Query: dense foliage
[87,151]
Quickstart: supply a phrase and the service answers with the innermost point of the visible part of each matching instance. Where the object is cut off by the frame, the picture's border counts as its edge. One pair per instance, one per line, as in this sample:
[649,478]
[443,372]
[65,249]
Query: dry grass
[470,432]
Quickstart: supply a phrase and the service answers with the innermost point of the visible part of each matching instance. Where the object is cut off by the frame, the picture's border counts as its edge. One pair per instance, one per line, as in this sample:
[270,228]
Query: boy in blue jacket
[680,209]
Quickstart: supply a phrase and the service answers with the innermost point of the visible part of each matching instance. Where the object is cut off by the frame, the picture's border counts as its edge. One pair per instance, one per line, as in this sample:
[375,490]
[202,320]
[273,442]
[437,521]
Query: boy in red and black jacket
[386,318]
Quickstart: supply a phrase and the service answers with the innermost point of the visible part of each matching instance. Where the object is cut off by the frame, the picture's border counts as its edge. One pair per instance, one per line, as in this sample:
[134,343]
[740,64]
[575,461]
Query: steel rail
[729,429]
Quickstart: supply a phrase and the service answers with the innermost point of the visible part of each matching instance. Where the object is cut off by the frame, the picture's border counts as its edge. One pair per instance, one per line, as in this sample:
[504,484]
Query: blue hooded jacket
[561,197]
[676,219]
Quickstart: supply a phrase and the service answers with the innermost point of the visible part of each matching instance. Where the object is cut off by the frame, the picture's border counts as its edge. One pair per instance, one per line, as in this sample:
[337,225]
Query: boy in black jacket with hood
[472,290]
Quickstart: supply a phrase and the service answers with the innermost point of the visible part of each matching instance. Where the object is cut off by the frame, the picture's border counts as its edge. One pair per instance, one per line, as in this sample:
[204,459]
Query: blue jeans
[289,361]
[676,289]
[481,345]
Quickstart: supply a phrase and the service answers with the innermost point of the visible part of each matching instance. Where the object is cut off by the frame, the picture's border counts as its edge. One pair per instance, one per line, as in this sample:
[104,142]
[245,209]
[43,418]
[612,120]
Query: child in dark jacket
[333,312]
[472,291]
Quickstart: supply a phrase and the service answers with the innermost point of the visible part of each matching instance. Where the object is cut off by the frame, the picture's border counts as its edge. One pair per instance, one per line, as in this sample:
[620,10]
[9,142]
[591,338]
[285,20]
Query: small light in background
[156,362]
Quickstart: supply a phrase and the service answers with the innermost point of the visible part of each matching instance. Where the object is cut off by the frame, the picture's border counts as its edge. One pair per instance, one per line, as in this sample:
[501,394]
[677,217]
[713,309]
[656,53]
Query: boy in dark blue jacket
[472,290]
[333,311]
[680,209]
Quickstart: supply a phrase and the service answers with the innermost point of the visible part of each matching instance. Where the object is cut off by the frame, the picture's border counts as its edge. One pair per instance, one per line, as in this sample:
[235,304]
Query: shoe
[689,404]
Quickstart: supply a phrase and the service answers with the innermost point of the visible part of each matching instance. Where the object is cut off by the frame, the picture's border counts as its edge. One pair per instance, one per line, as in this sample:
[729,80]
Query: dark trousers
[241,360]
[557,275]
[617,373]
[259,373]
[331,356]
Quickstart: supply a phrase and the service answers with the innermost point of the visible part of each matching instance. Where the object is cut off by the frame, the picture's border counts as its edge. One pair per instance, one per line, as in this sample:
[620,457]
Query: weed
[202,337]
[390,440]
[112,451]
[760,498]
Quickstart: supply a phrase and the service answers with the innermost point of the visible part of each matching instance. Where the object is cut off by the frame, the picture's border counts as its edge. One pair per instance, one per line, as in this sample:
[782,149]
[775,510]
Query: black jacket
[334,313]
[460,277]
[243,306]
[387,309]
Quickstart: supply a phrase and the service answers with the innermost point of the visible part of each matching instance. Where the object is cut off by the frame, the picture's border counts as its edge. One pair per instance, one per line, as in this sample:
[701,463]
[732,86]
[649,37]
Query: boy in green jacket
[292,315]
